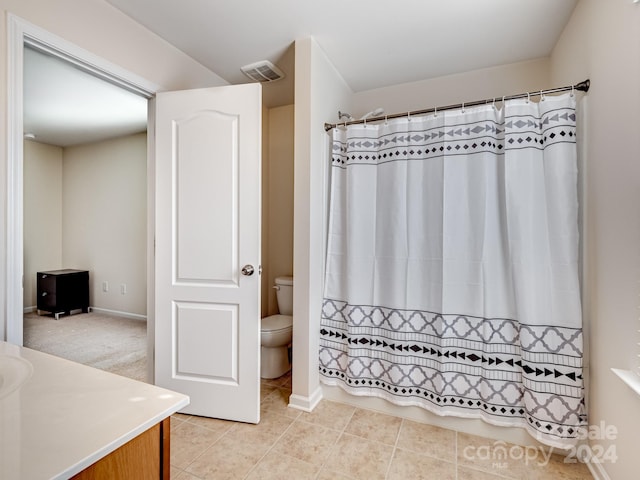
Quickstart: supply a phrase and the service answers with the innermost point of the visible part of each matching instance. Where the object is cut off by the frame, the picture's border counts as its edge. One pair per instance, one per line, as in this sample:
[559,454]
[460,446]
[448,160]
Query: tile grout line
[276,440]
[269,450]
[217,440]
[395,446]
[206,449]
[337,440]
[455,452]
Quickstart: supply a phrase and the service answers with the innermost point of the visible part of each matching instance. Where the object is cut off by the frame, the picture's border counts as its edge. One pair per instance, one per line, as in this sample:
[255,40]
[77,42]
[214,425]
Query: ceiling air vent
[263,71]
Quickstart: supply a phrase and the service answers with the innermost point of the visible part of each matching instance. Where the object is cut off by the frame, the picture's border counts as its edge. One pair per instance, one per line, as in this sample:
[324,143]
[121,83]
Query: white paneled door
[207,258]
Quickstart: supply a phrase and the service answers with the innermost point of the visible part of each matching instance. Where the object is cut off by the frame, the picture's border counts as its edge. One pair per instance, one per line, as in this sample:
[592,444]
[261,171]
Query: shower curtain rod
[582,87]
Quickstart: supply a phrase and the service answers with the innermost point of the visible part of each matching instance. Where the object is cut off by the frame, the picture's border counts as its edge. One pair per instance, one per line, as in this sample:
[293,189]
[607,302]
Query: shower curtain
[452,265]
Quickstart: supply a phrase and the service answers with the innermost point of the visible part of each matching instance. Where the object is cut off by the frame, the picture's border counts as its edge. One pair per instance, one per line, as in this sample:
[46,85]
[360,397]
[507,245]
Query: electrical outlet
[123,288]
[105,286]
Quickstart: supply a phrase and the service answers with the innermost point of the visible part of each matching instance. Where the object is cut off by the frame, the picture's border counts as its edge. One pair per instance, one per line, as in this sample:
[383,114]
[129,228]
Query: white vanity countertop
[58,417]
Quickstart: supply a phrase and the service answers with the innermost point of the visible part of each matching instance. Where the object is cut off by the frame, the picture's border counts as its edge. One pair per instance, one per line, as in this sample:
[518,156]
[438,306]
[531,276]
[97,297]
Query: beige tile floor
[336,442]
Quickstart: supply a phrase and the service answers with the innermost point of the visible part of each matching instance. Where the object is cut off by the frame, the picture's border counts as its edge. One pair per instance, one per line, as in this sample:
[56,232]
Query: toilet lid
[285,280]
[276,322]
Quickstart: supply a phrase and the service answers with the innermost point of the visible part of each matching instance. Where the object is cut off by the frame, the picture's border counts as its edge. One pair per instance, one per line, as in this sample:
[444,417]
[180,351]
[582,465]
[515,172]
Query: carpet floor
[115,344]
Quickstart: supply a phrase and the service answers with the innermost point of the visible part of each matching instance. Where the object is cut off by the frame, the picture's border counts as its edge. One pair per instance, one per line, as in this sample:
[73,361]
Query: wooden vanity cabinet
[146,457]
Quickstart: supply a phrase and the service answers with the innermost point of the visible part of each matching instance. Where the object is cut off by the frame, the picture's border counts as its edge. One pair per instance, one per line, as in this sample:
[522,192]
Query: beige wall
[264,245]
[85,208]
[104,219]
[42,213]
[602,42]
[277,210]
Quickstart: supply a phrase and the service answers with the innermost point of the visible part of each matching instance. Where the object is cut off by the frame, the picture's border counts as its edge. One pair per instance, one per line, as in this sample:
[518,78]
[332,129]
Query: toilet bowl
[275,338]
[276,333]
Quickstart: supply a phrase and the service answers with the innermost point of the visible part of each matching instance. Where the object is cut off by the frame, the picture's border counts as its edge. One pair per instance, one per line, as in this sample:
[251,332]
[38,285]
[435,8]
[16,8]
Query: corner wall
[602,42]
[320,92]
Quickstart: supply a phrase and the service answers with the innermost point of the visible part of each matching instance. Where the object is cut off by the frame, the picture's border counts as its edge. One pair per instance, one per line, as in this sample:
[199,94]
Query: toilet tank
[284,294]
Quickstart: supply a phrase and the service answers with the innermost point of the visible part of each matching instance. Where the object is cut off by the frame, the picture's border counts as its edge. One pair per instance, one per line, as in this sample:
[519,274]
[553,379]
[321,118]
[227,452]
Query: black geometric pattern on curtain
[458,364]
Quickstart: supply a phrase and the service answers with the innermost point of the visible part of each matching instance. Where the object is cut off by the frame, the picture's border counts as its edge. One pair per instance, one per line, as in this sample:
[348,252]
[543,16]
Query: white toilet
[276,333]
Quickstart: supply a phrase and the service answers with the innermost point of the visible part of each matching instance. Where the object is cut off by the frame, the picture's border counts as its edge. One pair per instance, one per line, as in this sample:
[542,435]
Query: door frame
[21,33]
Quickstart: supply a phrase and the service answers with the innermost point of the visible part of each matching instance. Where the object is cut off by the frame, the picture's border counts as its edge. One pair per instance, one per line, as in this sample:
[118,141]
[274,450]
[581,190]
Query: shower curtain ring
[528,97]
[542,97]
[409,116]
[435,112]
[572,90]
[462,107]
[385,120]
[494,103]
[365,123]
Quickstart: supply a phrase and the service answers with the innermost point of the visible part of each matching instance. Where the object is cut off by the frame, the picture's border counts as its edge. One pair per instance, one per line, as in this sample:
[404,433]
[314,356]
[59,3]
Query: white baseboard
[306,404]
[117,313]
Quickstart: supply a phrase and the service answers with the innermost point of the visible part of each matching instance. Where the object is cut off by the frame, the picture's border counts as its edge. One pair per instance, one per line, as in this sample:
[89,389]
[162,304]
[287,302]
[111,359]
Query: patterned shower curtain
[452,266]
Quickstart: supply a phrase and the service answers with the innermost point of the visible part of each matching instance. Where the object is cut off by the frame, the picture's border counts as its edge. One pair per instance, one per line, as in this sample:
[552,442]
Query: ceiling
[66,106]
[372,43]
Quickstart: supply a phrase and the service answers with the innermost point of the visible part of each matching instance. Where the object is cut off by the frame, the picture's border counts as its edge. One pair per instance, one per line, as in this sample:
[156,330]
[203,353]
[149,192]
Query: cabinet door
[142,458]
[46,291]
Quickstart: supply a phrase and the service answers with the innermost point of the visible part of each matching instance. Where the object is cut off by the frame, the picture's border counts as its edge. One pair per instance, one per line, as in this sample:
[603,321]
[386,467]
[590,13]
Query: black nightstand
[61,291]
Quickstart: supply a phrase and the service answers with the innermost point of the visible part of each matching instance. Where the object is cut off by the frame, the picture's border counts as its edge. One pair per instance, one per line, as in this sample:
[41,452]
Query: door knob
[248,270]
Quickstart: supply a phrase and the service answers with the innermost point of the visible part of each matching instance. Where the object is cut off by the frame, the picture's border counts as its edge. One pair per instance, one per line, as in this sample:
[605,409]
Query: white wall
[102,30]
[42,214]
[320,92]
[602,42]
[453,89]
[104,219]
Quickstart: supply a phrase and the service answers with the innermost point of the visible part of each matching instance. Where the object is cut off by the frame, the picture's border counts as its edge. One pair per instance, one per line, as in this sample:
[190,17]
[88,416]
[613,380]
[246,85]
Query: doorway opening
[78,156]
[84,217]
